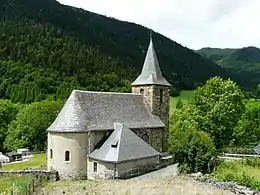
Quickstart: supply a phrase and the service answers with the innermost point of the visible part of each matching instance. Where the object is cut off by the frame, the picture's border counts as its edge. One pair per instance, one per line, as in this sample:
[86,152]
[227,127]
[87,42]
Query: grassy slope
[243,172]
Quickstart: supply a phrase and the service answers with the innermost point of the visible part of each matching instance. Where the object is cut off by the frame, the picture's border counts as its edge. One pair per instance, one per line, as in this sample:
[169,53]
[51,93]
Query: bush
[179,104]
[193,150]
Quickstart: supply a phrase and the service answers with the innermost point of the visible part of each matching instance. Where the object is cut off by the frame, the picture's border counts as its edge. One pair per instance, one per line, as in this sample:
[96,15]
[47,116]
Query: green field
[39,161]
[185,97]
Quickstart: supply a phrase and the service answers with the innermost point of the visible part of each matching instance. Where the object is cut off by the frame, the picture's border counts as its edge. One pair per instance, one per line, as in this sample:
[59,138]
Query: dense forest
[243,62]
[46,49]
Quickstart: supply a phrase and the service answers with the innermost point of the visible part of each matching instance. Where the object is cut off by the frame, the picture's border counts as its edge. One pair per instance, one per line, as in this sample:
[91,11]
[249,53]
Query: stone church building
[108,134]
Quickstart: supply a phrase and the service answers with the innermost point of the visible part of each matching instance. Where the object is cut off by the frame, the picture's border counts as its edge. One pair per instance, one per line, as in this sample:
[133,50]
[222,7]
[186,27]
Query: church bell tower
[155,89]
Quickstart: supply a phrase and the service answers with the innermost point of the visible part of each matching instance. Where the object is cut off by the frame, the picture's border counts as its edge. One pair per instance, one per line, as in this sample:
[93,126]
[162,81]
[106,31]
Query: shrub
[194,150]
[179,104]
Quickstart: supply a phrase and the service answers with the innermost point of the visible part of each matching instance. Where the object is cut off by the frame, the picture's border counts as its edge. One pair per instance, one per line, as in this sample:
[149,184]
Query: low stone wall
[231,186]
[39,174]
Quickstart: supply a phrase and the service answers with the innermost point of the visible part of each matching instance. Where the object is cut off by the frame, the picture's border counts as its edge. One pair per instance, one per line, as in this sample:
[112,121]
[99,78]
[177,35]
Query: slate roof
[91,111]
[151,73]
[123,145]
[257,149]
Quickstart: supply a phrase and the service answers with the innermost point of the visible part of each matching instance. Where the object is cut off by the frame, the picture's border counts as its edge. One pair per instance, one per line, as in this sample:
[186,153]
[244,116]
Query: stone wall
[231,186]
[158,100]
[153,137]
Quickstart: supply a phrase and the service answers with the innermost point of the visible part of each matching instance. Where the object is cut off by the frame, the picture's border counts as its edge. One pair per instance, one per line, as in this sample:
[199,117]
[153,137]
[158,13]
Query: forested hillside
[47,49]
[244,62]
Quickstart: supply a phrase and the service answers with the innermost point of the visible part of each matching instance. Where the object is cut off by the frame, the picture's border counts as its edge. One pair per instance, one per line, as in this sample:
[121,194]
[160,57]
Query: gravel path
[161,182]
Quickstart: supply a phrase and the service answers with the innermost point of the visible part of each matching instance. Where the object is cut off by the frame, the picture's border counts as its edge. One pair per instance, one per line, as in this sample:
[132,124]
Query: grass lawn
[39,161]
[246,172]
[185,97]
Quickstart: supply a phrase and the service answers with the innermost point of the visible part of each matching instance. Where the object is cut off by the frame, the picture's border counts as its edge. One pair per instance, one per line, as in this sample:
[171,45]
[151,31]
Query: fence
[31,180]
[26,186]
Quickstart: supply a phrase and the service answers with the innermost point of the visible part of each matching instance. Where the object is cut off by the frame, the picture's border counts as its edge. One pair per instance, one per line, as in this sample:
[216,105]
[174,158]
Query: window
[114,144]
[161,95]
[145,137]
[67,156]
[142,91]
[51,154]
[95,167]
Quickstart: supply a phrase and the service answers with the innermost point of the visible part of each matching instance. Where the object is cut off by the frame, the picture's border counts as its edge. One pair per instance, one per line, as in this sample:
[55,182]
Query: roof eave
[122,161]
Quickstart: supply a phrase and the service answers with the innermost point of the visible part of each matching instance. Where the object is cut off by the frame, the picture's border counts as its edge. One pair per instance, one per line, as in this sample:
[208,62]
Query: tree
[179,104]
[258,91]
[247,132]
[193,149]
[29,128]
[8,111]
[220,103]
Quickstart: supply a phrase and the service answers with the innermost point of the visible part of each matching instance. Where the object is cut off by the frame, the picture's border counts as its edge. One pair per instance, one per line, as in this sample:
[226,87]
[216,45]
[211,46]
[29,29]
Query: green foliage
[247,132]
[193,149]
[29,128]
[179,104]
[6,182]
[244,172]
[220,103]
[47,49]
[244,63]
[8,112]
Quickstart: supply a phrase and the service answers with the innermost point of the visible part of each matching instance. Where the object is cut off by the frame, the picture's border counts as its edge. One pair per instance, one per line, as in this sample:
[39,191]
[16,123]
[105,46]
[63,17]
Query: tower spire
[151,35]
[151,72]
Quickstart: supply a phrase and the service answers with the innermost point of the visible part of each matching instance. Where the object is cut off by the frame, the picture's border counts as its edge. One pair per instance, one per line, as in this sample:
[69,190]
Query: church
[103,135]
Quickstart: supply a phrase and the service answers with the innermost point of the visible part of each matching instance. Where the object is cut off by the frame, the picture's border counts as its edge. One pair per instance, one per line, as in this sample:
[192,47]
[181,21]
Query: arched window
[142,91]
[51,154]
[161,95]
[67,156]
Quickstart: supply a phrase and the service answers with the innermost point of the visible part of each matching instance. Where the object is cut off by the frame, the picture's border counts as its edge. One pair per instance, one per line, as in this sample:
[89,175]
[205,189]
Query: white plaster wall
[102,169]
[77,144]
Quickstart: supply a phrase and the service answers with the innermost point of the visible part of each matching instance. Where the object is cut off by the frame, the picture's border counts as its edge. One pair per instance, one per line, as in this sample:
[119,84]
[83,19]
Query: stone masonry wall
[154,136]
[152,95]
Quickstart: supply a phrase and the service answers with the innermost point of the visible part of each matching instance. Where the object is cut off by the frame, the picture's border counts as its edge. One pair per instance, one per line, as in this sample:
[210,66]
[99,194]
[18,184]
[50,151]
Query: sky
[194,24]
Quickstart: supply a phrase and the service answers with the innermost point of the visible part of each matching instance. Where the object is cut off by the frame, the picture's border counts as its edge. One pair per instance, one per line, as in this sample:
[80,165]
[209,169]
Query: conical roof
[123,145]
[151,73]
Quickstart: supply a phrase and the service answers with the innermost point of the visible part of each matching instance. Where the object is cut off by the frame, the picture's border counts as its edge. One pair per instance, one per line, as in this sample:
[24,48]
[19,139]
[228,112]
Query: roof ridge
[104,92]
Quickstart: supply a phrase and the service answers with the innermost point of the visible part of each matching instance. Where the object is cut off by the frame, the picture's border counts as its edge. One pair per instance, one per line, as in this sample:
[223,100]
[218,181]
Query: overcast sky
[195,24]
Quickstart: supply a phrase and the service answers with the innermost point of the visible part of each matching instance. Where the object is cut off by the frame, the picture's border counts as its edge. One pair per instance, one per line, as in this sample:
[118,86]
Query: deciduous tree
[220,102]
[29,128]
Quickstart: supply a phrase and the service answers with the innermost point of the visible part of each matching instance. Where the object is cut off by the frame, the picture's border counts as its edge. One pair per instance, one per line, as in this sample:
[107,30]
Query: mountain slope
[48,49]
[244,62]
